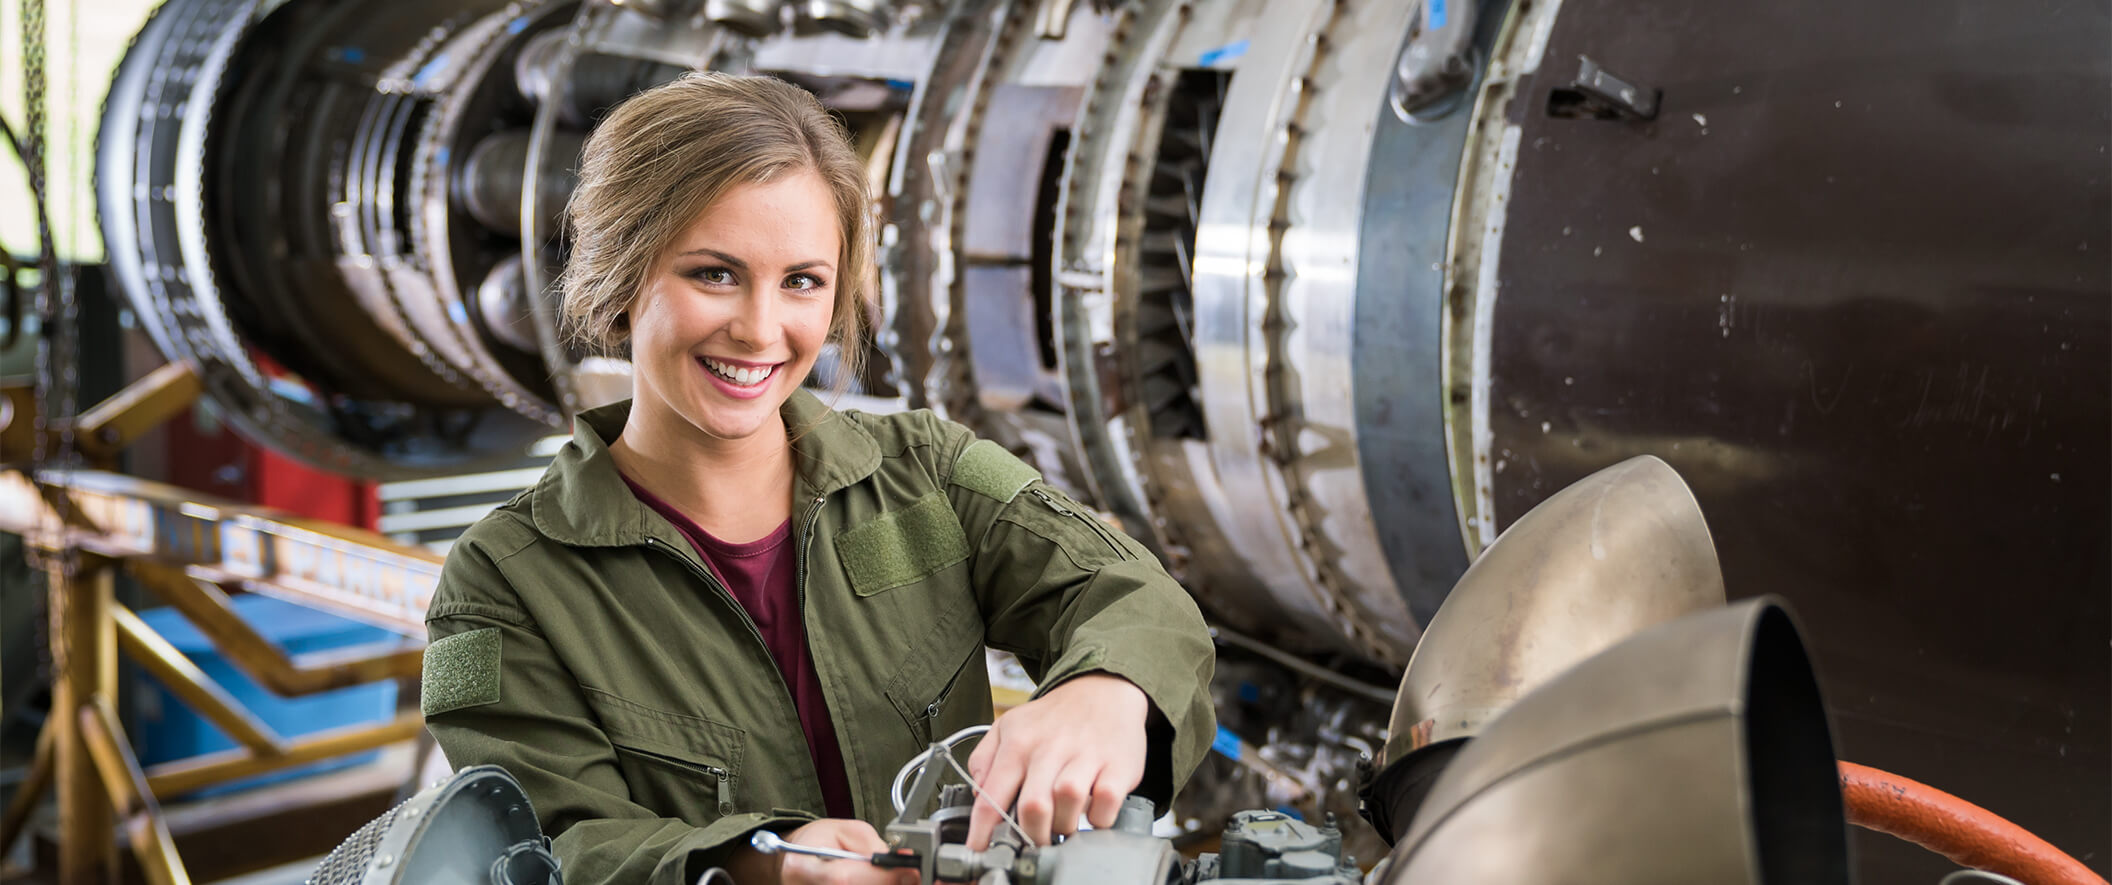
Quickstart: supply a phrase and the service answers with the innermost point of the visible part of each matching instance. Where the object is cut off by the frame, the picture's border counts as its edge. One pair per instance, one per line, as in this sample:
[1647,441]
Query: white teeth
[745,377]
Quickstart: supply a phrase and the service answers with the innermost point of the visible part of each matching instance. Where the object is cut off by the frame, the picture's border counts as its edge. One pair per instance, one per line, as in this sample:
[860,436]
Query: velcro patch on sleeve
[902,546]
[987,469]
[461,671]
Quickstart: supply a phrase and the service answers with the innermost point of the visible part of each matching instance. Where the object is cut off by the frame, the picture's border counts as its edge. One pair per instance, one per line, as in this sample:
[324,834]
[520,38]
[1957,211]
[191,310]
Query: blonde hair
[664,156]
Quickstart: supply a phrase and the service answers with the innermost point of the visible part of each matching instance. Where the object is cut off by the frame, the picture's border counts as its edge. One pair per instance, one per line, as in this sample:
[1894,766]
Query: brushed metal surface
[1619,551]
[1695,751]
[1232,256]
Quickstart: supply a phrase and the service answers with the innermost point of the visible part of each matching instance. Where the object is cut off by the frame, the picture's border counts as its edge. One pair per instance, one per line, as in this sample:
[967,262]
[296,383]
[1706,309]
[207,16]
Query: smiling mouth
[739,376]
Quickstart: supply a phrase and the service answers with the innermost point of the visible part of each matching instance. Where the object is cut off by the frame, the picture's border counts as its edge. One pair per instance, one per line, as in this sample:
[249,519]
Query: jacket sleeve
[1069,595]
[495,693]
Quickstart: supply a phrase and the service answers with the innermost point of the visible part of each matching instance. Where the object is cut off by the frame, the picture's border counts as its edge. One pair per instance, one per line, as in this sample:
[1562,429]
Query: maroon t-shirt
[762,576]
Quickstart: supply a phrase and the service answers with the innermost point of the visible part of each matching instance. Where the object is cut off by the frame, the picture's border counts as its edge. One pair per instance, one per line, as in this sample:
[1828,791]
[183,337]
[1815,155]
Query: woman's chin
[735,420]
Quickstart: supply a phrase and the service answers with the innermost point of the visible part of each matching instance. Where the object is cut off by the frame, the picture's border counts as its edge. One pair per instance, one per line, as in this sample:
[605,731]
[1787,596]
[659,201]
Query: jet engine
[1313,297]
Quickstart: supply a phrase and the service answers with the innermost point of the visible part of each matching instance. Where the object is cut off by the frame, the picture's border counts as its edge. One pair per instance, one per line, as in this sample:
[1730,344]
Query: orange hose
[1966,833]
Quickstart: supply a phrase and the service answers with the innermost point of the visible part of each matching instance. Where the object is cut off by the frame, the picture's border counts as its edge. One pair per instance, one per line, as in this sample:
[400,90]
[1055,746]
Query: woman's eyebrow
[739,265]
[735,263]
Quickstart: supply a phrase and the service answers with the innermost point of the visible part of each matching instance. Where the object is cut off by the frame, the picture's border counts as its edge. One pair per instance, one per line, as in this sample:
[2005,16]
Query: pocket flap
[930,668]
[693,739]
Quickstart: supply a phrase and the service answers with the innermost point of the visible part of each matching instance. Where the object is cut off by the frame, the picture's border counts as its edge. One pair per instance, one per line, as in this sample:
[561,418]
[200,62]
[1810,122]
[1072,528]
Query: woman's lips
[762,374]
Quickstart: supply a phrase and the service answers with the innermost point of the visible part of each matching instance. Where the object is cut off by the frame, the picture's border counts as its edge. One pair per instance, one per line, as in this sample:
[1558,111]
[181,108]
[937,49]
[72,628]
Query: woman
[727,607]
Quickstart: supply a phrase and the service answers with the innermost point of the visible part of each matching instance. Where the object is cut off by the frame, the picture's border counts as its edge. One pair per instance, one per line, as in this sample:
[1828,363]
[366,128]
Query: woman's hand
[1078,749]
[751,867]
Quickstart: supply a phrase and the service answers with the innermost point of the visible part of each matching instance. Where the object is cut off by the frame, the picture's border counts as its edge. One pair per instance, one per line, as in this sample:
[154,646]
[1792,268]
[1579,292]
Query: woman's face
[734,315]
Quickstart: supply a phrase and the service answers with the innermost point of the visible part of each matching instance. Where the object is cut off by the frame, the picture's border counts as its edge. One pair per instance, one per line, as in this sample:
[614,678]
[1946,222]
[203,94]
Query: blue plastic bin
[167,729]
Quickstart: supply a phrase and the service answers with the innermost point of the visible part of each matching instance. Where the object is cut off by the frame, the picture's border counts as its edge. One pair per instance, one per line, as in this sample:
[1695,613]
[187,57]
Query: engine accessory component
[1621,550]
[1258,846]
[1957,829]
[754,18]
[1273,845]
[1700,747]
[474,828]
[1438,61]
[851,18]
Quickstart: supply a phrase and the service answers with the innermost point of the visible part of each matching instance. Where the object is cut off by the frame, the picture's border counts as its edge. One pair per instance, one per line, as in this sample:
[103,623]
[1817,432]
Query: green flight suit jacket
[579,642]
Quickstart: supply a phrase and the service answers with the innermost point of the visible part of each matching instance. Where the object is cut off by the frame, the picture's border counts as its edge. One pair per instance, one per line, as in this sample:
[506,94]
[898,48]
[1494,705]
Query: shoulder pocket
[1057,518]
[683,766]
[902,546]
[985,468]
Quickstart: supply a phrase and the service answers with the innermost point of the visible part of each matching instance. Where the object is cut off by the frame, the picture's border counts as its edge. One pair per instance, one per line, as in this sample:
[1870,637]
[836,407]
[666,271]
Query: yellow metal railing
[189,551]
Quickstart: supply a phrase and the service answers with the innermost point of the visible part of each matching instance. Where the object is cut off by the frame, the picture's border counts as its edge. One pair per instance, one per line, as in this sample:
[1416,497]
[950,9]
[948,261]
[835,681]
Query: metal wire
[977,789]
[917,765]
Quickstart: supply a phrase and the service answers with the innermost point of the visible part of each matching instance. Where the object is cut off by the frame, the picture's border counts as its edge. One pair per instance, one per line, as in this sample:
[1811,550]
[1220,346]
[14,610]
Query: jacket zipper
[931,712]
[724,777]
[725,787]
[806,539]
[799,590]
[1099,528]
[713,582]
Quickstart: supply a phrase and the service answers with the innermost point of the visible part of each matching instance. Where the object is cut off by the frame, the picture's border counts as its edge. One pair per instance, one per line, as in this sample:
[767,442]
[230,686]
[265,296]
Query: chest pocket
[944,691]
[902,547]
[680,766]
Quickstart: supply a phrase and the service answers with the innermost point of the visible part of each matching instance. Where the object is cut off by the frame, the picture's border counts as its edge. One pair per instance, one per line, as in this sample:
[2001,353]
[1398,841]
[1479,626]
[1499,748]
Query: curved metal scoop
[1619,551]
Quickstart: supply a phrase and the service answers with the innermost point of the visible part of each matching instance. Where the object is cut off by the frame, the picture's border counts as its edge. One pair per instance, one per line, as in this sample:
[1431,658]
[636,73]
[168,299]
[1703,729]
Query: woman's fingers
[848,835]
[1000,781]
[985,750]
[1036,804]
[851,835]
[1108,793]
[1055,756]
[1070,794]
[1124,772]
[801,869]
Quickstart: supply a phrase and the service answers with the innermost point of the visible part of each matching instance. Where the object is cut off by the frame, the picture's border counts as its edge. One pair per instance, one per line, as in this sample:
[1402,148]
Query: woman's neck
[738,490]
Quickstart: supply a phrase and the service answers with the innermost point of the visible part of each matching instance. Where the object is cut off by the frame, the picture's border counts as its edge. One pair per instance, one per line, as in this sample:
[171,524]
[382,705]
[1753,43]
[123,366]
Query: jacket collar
[581,499]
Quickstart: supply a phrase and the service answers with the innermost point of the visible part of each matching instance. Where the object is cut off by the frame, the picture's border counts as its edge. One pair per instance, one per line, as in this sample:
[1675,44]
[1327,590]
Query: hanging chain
[58,379]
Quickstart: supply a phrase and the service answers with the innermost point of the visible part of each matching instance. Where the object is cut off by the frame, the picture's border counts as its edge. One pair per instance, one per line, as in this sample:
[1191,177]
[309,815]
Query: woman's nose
[756,324]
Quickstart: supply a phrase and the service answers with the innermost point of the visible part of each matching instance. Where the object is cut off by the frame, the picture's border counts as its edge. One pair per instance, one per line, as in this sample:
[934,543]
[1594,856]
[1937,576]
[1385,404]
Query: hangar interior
[1609,440]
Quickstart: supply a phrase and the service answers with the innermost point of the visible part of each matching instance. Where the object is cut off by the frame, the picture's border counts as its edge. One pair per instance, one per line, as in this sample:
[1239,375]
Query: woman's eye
[803,281]
[717,276]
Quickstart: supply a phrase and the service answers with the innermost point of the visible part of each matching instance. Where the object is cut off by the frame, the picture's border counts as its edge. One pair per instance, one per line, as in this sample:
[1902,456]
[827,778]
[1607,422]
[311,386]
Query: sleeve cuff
[711,846]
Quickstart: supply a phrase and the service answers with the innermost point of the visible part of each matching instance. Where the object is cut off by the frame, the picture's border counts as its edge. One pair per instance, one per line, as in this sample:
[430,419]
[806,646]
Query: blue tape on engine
[1226,744]
[1226,52]
[1437,14]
